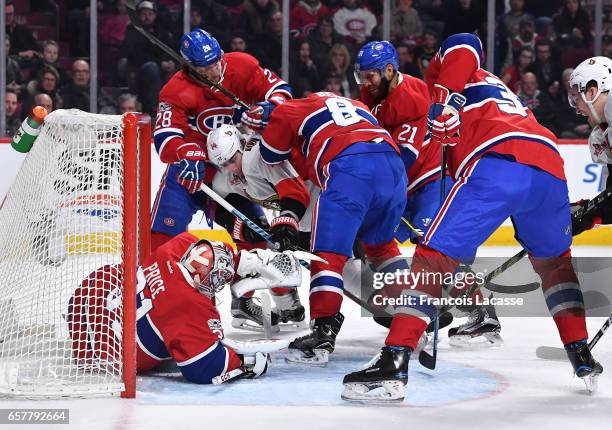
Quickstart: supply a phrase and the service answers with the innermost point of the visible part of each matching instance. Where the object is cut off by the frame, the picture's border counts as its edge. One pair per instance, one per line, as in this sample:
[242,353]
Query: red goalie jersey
[174,320]
[493,118]
[188,111]
[404,114]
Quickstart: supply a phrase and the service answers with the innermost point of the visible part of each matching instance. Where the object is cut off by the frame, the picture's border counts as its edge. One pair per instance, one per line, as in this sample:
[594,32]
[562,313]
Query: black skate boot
[289,307]
[382,380]
[314,348]
[248,315]
[481,329]
[585,366]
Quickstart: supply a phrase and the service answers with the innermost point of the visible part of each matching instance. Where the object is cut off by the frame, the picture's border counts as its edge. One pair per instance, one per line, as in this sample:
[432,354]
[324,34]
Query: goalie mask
[210,264]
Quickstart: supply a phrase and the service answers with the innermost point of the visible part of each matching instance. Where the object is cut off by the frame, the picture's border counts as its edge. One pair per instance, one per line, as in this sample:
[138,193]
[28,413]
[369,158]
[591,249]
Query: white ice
[505,388]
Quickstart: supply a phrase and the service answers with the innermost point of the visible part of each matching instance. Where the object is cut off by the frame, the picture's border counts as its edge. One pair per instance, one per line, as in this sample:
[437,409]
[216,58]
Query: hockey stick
[266,314]
[131,6]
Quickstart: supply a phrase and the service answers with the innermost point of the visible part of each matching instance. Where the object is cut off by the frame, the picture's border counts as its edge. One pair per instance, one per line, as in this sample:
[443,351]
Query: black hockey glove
[585,222]
[285,234]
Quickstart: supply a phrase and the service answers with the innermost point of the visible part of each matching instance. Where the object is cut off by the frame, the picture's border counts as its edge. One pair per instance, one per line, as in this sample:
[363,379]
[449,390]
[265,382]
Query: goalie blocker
[176,314]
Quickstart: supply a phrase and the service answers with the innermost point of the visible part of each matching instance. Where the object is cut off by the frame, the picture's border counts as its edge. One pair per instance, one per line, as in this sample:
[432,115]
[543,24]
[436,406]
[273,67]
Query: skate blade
[320,358]
[374,392]
[590,381]
[248,325]
[487,340]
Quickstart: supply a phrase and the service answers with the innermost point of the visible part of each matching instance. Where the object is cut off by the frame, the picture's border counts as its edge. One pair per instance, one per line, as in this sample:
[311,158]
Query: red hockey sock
[326,285]
[563,295]
[405,331]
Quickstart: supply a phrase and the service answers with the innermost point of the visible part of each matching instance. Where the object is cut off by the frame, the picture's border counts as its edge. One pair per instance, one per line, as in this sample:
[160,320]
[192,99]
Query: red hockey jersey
[188,111]
[321,126]
[404,114]
[493,118]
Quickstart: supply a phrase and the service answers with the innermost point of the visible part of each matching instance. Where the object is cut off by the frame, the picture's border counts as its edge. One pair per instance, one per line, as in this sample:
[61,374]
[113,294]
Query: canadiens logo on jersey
[212,118]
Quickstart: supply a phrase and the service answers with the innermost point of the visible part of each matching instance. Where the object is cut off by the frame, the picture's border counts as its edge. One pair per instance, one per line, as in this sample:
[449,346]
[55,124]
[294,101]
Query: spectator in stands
[510,21]
[407,62]
[405,22]
[45,101]
[426,51]
[215,18]
[538,102]
[76,93]
[268,46]
[238,43]
[432,14]
[571,126]
[79,23]
[526,36]
[255,13]
[333,84]
[304,17]
[127,103]
[339,65]
[463,16]
[546,69]
[573,25]
[322,39]
[23,42]
[543,12]
[304,76]
[50,57]
[354,22]
[113,26]
[13,70]
[143,64]
[46,82]
[512,75]
[12,120]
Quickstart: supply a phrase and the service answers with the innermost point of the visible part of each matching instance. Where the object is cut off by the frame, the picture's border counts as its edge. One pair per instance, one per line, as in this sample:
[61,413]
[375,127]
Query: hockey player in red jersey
[187,112]
[176,314]
[400,103]
[363,194]
[505,165]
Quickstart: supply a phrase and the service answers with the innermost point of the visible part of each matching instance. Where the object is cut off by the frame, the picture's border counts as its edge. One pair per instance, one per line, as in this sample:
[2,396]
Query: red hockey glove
[443,119]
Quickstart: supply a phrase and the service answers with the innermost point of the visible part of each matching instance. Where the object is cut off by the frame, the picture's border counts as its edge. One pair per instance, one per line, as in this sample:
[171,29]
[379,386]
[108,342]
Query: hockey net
[79,202]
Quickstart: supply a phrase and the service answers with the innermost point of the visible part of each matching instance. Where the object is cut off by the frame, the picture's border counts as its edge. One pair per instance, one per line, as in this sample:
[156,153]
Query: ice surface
[504,388]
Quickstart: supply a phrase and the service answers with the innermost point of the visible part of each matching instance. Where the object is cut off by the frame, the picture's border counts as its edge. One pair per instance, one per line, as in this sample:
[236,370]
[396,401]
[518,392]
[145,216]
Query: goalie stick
[131,6]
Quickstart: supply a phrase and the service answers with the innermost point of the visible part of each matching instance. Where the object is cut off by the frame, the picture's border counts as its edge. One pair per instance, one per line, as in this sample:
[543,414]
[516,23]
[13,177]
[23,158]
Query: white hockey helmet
[594,69]
[223,143]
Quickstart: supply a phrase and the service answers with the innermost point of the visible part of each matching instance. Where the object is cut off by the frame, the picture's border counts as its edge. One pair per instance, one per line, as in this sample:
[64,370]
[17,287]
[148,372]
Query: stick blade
[551,353]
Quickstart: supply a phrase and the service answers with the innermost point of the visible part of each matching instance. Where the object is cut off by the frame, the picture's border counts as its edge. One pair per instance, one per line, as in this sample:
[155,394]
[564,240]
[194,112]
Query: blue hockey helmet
[375,56]
[200,48]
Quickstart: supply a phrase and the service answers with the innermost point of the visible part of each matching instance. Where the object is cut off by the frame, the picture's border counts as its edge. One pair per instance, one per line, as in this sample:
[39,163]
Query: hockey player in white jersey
[278,188]
[590,84]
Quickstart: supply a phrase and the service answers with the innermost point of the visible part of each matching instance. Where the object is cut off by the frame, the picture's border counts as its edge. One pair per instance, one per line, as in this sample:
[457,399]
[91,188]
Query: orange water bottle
[29,130]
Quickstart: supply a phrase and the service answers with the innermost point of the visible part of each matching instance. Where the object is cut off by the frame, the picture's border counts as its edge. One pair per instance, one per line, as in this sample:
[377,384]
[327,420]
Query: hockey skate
[481,330]
[289,308]
[248,315]
[314,348]
[585,366]
[382,380]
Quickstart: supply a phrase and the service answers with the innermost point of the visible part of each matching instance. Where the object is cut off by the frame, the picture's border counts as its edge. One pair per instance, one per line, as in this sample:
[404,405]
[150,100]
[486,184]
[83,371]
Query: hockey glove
[284,230]
[190,151]
[191,174]
[587,221]
[255,364]
[258,116]
[443,119]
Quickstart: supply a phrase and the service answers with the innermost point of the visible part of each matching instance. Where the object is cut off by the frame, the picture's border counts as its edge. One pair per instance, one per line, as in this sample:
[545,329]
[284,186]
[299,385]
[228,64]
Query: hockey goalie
[176,314]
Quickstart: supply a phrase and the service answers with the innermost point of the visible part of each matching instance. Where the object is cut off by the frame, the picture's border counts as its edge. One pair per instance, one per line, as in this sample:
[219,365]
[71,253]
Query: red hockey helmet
[211,265]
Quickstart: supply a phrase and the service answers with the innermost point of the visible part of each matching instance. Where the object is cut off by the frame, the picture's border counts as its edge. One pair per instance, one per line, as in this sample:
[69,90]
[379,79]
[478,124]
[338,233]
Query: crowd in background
[537,43]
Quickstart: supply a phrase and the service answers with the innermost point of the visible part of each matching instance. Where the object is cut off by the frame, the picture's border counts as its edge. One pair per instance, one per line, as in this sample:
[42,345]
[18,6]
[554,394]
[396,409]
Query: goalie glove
[264,269]
[284,230]
[443,119]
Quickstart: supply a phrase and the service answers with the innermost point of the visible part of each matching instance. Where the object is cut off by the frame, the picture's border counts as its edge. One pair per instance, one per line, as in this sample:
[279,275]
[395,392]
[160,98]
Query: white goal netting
[62,219]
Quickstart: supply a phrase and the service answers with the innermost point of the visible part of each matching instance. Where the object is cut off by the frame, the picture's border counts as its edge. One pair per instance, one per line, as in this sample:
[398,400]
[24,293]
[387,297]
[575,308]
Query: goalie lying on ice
[176,314]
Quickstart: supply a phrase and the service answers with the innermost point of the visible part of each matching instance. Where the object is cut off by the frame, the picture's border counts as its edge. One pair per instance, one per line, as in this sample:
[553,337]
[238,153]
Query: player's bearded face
[212,72]
[371,79]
